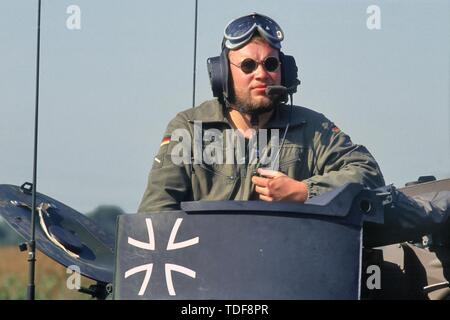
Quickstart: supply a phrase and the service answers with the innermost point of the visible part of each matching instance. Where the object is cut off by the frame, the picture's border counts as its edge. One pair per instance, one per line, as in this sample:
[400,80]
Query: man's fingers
[259,181]
[270,173]
[262,191]
[265,198]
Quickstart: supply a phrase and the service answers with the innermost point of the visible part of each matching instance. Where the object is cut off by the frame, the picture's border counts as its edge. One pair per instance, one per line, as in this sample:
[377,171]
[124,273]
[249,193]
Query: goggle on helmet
[239,31]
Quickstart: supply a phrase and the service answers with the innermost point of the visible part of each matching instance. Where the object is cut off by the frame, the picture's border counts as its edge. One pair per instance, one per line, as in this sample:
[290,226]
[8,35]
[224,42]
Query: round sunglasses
[249,65]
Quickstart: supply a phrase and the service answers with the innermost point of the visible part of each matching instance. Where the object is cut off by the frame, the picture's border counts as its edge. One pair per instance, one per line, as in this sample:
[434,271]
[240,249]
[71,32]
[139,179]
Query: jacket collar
[210,112]
[215,113]
[283,115]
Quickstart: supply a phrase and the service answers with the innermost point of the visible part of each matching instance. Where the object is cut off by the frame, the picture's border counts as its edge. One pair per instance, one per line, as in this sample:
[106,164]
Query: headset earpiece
[289,73]
[219,75]
[215,75]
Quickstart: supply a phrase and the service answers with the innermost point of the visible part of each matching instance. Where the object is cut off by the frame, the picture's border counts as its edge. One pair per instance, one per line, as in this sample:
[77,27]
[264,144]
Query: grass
[50,279]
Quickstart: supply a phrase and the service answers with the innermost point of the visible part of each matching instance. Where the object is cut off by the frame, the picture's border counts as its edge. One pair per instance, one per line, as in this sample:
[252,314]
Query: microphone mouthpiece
[276,90]
[280,92]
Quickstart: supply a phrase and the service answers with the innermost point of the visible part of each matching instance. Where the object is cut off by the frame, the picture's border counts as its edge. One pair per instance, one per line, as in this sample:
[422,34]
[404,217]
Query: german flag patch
[165,140]
[334,128]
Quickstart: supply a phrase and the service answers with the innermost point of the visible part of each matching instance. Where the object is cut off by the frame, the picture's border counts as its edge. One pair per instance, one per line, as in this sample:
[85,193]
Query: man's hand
[275,186]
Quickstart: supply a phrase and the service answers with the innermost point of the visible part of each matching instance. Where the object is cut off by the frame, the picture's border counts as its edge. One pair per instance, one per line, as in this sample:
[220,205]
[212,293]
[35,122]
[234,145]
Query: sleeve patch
[334,128]
[165,140]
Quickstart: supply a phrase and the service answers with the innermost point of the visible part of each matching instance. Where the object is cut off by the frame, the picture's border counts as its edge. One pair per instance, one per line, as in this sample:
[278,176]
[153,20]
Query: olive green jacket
[314,151]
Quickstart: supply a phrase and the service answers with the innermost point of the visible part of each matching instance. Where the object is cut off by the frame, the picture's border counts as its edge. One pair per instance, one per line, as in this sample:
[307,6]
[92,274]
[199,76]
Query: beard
[246,104]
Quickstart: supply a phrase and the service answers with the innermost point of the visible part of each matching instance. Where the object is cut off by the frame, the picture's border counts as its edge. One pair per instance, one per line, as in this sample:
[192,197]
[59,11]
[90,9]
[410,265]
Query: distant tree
[105,216]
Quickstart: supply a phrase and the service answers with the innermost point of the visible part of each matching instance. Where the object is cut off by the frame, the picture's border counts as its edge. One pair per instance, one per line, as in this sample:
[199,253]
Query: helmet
[237,34]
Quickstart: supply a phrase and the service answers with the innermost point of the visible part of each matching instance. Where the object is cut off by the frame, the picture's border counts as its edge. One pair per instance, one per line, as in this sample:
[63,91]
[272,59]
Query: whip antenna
[32,243]
[195,55]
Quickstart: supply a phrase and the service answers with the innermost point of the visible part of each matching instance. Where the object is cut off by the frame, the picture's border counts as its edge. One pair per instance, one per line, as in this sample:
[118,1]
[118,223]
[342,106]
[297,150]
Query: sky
[110,84]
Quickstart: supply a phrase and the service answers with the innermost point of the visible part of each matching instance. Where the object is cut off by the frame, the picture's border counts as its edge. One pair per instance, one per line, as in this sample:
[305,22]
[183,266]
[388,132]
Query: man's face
[250,88]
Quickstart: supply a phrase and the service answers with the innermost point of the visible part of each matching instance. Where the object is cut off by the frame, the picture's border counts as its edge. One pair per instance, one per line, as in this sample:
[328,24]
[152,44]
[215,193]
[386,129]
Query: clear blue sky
[109,89]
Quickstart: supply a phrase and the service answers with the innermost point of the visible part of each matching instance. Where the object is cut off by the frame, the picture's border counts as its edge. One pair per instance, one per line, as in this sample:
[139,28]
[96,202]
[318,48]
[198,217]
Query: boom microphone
[280,92]
[276,90]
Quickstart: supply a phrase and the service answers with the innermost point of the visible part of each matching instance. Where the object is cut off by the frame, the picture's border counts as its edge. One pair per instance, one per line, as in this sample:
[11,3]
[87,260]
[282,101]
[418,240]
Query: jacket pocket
[212,182]
[292,162]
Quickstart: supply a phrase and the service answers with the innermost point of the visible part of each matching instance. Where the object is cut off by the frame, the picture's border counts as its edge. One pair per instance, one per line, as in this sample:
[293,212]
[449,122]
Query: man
[251,80]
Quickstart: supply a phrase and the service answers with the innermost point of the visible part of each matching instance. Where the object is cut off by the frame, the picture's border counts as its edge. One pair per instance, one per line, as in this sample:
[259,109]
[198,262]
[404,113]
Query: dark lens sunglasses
[249,65]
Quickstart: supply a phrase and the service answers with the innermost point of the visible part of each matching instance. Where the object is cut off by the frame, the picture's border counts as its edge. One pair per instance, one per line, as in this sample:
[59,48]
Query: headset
[219,75]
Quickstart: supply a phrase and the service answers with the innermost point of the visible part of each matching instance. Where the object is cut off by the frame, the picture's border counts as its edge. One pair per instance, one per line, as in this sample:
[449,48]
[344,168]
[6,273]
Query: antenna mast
[195,55]
[32,242]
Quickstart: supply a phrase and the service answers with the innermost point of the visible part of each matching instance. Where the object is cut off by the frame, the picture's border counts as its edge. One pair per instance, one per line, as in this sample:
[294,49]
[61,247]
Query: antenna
[32,244]
[195,55]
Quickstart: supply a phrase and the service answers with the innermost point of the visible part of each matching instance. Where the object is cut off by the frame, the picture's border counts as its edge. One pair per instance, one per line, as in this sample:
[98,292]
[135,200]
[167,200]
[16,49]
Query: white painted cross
[171,245]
